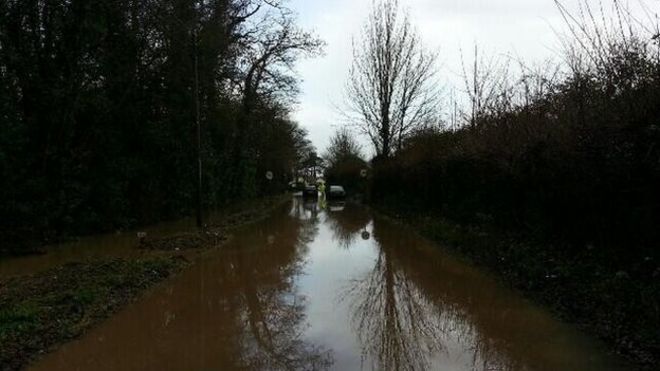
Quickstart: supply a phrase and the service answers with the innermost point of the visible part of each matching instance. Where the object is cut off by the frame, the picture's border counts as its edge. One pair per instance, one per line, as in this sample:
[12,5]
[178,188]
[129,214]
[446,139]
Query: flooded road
[111,245]
[330,288]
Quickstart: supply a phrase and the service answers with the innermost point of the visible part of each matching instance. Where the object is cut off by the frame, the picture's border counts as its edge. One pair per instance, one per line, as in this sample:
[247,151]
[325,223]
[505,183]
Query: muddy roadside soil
[619,307]
[41,311]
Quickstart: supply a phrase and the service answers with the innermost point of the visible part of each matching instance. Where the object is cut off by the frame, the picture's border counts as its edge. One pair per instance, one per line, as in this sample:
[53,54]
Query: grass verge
[40,311]
[620,307]
[220,227]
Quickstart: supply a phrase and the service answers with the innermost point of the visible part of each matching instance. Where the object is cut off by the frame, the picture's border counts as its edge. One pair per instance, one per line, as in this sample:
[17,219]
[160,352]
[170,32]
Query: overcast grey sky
[525,28]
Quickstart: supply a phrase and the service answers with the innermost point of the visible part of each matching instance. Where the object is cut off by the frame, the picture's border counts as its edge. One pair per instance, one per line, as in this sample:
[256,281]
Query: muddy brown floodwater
[330,288]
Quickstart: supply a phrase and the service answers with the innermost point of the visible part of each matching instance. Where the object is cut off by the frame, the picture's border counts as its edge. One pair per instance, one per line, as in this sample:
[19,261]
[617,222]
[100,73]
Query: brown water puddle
[332,288]
[113,245]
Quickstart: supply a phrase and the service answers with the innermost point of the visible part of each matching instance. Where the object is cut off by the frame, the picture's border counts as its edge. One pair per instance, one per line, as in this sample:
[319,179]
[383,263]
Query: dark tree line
[570,151]
[100,101]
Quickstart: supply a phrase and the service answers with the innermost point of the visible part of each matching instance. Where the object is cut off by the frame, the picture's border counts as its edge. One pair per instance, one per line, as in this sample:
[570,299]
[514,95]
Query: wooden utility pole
[198,127]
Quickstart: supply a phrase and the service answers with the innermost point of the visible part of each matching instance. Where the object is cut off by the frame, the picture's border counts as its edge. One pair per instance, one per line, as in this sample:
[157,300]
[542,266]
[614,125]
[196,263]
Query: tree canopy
[98,104]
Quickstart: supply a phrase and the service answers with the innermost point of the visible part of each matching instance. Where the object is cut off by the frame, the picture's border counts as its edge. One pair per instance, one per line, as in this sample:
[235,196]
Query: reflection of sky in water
[369,325]
[288,292]
[332,268]
[330,314]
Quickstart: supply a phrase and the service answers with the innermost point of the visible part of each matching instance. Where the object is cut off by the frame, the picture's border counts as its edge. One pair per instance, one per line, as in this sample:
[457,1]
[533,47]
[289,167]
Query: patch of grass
[46,309]
[86,296]
[39,312]
[18,318]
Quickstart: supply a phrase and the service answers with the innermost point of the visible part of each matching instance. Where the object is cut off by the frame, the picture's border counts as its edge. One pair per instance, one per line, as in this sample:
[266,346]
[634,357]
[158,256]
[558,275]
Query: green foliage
[19,318]
[85,296]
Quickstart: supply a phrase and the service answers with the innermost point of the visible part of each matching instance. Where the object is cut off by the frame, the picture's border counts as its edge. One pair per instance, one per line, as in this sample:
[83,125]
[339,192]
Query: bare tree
[615,47]
[270,45]
[391,89]
[485,82]
[343,147]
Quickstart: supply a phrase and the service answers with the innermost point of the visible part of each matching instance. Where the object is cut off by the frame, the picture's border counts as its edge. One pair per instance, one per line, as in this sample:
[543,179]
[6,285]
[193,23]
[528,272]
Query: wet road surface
[330,288]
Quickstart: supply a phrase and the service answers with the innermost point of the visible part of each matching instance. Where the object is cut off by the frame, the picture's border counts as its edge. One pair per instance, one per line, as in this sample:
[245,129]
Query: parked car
[335,192]
[336,206]
[310,191]
[296,186]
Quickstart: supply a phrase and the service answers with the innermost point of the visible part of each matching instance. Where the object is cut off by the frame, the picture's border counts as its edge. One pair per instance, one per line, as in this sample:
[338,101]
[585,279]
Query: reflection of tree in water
[347,224]
[393,321]
[399,323]
[271,309]
[303,209]
[306,212]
